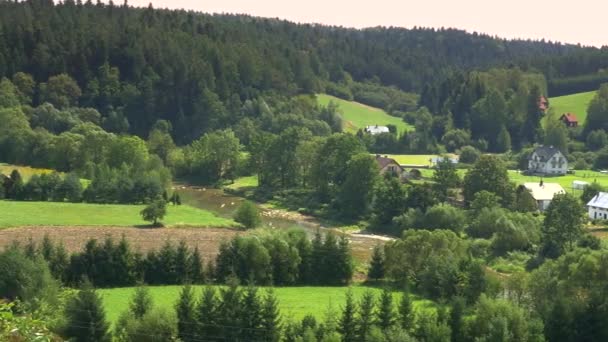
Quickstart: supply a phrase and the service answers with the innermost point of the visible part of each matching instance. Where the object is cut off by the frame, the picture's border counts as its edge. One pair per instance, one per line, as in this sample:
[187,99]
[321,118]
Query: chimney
[542,183]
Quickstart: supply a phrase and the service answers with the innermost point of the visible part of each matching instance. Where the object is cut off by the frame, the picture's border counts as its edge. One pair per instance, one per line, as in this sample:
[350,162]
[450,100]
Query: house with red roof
[569,119]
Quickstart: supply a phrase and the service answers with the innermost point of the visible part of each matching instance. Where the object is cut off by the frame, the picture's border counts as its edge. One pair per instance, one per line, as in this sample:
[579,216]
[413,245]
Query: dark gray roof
[544,152]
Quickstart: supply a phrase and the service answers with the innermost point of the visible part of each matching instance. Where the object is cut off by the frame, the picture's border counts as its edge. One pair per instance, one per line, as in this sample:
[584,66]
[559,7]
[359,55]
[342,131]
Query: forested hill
[198,69]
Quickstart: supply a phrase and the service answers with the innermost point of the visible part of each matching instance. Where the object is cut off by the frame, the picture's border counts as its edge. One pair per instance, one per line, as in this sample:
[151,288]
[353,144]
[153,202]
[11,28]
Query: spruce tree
[376,268]
[85,317]
[229,311]
[141,303]
[251,314]
[406,311]
[206,315]
[345,261]
[348,323]
[385,314]
[366,315]
[196,268]
[271,318]
[182,263]
[186,322]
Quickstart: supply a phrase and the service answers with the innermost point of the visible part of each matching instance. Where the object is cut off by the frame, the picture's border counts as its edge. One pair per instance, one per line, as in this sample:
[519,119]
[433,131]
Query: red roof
[569,117]
[543,103]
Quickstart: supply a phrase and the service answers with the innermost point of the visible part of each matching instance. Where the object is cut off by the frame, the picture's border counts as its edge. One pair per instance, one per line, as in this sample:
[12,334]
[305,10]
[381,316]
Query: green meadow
[13,214]
[575,103]
[357,115]
[294,302]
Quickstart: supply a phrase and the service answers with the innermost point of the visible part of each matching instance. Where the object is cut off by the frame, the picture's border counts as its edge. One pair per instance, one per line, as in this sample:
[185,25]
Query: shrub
[469,155]
[155,211]
[248,215]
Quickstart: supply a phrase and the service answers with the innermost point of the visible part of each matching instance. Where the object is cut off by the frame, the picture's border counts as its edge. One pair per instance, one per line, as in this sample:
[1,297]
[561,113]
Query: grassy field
[565,181]
[294,302]
[244,183]
[25,171]
[413,159]
[81,214]
[357,115]
[575,103]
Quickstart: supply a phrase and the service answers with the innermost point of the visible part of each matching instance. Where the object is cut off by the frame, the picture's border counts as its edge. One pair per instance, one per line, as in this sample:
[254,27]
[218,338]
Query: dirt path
[143,239]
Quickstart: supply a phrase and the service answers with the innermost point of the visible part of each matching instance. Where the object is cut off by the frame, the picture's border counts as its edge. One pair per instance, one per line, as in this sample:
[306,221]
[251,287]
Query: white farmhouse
[373,130]
[598,206]
[543,193]
[548,161]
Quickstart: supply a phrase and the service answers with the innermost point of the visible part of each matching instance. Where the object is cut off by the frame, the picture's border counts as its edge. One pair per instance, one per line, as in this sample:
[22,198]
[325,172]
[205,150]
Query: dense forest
[197,70]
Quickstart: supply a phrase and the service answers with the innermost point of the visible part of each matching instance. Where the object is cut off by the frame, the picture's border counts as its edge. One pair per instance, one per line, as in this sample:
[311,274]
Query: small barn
[579,185]
[569,119]
[373,130]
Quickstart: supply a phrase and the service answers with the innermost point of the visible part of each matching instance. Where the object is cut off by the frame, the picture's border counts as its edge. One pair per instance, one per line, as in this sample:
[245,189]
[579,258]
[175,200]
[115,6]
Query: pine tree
[345,261]
[85,317]
[348,323]
[206,315]
[186,321]
[251,315]
[141,303]
[406,311]
[271,318]
[366,315]
[385,314]
[376,268]
[229,311]
[197,272]
[317,257]
[182,263]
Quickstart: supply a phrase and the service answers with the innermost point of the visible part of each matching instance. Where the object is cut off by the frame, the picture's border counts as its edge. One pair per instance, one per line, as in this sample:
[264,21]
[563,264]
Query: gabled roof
[385,161]
[544,152]
[543,103]
[544,191]
[569,117]
[599,201]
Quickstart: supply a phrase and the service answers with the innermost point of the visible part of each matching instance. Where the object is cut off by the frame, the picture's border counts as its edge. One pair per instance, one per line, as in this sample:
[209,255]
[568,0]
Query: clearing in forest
[356,115]
[575,103]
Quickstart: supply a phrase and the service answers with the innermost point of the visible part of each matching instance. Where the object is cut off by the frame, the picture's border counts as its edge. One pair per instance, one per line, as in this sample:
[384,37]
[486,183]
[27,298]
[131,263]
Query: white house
[373,130]
[543,193]
[547,160]
[598,206]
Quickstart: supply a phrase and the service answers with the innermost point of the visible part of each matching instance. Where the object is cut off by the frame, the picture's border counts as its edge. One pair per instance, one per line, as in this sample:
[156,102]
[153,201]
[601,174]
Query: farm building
[547,161]
[579,185]
[598,206]
[569,119]
[543,193]
[389,165]
[437,160]
[373,130]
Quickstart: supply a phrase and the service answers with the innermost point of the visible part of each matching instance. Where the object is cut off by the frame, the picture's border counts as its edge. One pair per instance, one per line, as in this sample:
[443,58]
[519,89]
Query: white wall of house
[598,213]
[543,205]
[550,167]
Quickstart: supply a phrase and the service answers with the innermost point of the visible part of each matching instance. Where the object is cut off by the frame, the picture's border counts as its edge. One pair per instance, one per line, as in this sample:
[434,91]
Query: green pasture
[294,302]
[25,171]
[565,181]
[357,115]
[575,103]
[244,183]
[14,214]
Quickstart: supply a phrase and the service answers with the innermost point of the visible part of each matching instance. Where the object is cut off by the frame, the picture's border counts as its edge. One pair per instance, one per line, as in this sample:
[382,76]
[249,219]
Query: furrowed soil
[142,239]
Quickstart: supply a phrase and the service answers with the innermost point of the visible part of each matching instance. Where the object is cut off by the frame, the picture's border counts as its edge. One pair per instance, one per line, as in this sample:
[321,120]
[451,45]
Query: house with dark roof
[569,119]
[389,165]
[547,161]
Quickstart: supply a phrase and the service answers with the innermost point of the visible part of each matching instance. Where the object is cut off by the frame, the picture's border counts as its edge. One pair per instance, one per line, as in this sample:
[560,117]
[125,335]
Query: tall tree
[386,314]
[366,315]
[85,317]
[186,320]
[563,224]
[489,174]
[356,192]
[348,322]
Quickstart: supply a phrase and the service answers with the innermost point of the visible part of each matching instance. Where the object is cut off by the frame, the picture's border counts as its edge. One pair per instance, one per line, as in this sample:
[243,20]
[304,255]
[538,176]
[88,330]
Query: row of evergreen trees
[45,187]
[272,259]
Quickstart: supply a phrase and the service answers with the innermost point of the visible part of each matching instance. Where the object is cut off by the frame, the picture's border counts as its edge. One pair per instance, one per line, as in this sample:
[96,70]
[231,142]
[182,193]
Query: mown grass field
[575,103]
[413,159]
[25,171]
[244,183]
[565,181]
[357,115]
[294,302]
[13,214]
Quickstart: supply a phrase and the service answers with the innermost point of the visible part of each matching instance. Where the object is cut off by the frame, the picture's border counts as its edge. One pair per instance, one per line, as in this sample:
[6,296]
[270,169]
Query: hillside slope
[356,115]
[575,103]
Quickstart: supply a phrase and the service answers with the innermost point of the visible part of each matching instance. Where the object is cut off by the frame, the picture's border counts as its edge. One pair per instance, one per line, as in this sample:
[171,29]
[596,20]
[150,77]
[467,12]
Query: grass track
[575,103]
[357,115]
[294,302]
[14,214]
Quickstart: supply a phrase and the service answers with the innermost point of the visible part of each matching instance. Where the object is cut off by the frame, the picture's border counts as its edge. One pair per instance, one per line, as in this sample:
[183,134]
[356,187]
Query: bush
[25,279]
[469,155]
[248,215]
